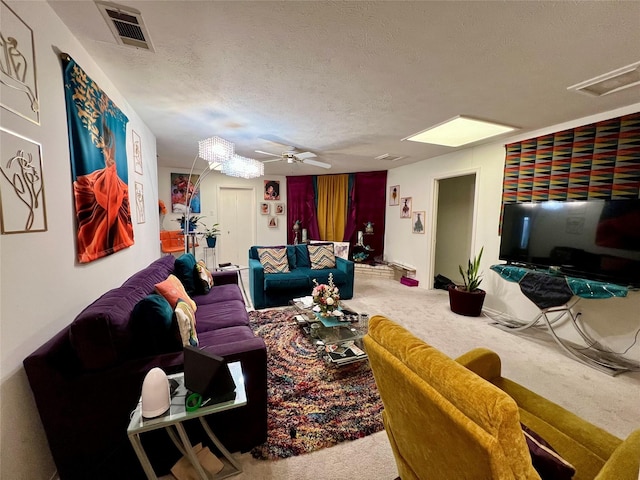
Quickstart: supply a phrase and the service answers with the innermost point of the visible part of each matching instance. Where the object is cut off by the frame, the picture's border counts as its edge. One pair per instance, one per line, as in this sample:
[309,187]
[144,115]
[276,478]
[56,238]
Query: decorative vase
[211,242]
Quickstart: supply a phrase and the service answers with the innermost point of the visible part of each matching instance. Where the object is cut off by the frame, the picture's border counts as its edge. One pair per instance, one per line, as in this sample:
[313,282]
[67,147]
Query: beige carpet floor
[612,403]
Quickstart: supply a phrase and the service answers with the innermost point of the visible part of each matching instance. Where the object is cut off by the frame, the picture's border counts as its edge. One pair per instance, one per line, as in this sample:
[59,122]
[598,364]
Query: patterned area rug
[311,405]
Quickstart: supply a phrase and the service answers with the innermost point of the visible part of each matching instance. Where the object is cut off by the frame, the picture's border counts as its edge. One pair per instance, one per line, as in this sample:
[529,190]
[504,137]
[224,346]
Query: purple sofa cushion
[223,336]
[219,294]
[156,272]
[221,315]
[100,334]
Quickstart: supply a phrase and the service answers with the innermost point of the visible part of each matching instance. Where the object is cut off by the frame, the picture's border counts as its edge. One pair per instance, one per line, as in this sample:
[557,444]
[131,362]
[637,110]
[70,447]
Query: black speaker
[208,375]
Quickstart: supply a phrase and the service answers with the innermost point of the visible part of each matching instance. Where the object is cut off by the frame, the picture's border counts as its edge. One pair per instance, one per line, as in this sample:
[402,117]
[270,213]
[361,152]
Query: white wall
[42,286]
[614,320]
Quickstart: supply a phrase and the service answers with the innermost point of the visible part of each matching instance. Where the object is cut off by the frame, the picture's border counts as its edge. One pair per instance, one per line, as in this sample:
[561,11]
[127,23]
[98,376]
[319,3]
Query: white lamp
[156,395]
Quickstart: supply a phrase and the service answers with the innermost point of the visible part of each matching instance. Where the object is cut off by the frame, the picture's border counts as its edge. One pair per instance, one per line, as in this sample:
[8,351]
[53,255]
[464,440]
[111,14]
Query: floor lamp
[215,151]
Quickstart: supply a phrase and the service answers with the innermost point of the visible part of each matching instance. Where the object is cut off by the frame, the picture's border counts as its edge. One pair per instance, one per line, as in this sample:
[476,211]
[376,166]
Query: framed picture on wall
[417,222]
[279,208]
[265,208]
[22,203]
[182,191]
[18,85]
[273,222]
[271,190]
[405,207]
[140,202]
[137,152]
[394,195]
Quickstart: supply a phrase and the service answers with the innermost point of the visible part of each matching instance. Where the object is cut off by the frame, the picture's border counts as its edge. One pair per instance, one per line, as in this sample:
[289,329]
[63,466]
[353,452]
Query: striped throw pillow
[274,259]
[322,256]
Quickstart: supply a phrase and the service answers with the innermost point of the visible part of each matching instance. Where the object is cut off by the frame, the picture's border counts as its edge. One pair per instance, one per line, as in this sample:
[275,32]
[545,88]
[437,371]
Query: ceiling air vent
[611,82]
[387,157]
[126,24]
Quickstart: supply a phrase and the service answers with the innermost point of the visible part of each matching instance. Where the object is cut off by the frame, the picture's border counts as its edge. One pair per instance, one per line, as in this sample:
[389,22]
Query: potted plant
[467,299]
[193,222]
[211,235]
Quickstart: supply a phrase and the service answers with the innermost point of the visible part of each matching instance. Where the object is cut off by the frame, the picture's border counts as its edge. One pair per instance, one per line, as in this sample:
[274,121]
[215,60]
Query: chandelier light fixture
[243,167]
[219,155]
[215,150]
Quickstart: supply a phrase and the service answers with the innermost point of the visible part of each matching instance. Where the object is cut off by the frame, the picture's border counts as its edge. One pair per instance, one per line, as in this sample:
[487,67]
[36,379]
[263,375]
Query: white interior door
[236,216]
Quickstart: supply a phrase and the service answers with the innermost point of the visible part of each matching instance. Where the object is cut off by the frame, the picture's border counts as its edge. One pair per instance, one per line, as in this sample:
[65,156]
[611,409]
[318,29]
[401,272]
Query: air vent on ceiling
[387,157]
[611,82]
[126,24]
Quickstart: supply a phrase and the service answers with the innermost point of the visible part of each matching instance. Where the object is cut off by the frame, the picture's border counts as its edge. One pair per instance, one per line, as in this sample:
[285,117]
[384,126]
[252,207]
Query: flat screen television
[594,239]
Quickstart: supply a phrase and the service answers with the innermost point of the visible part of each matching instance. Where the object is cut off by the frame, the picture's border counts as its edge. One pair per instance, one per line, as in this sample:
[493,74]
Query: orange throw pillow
[173,290]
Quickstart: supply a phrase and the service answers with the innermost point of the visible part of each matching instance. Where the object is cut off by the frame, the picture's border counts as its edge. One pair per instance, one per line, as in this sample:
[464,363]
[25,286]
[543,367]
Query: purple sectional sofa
[87,379]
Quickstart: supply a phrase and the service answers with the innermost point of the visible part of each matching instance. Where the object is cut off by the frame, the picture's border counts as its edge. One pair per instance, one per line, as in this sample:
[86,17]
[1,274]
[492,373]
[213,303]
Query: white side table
[239,269]
[174,418]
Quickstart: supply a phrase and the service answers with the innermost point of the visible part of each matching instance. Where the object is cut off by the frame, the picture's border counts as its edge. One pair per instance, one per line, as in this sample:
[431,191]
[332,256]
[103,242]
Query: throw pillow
[184,269]
[547,462]
[151,324]
[173,290]
[186,324]
[205,278]
[322,256]
[274,259]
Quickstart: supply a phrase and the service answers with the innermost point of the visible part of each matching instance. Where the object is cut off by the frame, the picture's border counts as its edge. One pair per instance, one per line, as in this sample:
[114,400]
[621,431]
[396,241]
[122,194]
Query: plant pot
[466,303]
[192,227]
[211,242]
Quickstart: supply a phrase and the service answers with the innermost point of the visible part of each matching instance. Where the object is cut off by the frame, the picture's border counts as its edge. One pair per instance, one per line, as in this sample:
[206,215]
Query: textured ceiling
[349,80]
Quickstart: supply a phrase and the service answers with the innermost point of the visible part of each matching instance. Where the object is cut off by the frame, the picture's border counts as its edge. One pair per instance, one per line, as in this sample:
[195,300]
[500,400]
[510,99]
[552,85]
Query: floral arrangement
[327,297]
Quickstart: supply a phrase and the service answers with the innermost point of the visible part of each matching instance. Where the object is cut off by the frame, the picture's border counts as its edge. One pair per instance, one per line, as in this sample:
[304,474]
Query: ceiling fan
[292,156]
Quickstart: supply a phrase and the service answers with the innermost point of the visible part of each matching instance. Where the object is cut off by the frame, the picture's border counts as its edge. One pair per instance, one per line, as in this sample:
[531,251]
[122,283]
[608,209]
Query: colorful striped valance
[600,160]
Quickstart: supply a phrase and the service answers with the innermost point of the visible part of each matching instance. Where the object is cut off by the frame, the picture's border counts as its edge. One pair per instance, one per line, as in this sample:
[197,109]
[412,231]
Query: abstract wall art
[405,207]
[98,148]
[140,202]
[394,195]
[417,222]
[18,86]
[183,190]
[137,152]
[21,185]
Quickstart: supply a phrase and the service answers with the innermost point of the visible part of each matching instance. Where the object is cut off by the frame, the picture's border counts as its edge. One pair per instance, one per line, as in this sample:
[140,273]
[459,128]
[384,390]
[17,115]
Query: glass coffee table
[338,340]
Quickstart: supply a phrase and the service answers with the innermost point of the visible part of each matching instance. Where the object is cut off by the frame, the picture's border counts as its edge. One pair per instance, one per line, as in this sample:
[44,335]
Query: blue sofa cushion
[302,256]
[322,276]
[185,270]
[153,327]
[291,256]
[287,281]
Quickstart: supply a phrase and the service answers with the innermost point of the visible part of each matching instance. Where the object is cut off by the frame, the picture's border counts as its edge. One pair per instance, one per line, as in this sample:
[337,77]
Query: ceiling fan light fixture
[215,150]
[459,131]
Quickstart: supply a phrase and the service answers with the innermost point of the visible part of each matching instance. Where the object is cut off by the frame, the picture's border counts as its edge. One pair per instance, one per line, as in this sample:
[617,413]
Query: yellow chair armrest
[624,462]
[482,362]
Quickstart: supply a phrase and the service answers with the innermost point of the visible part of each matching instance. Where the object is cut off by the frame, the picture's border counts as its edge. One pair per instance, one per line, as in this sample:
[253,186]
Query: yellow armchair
[460,419]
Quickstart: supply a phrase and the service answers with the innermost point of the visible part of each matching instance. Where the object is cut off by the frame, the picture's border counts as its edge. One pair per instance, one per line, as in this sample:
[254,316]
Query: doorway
[236,216]
[455,213]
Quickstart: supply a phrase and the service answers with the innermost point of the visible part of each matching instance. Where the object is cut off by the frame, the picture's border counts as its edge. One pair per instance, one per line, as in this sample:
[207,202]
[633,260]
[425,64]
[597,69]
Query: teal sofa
[276,289]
